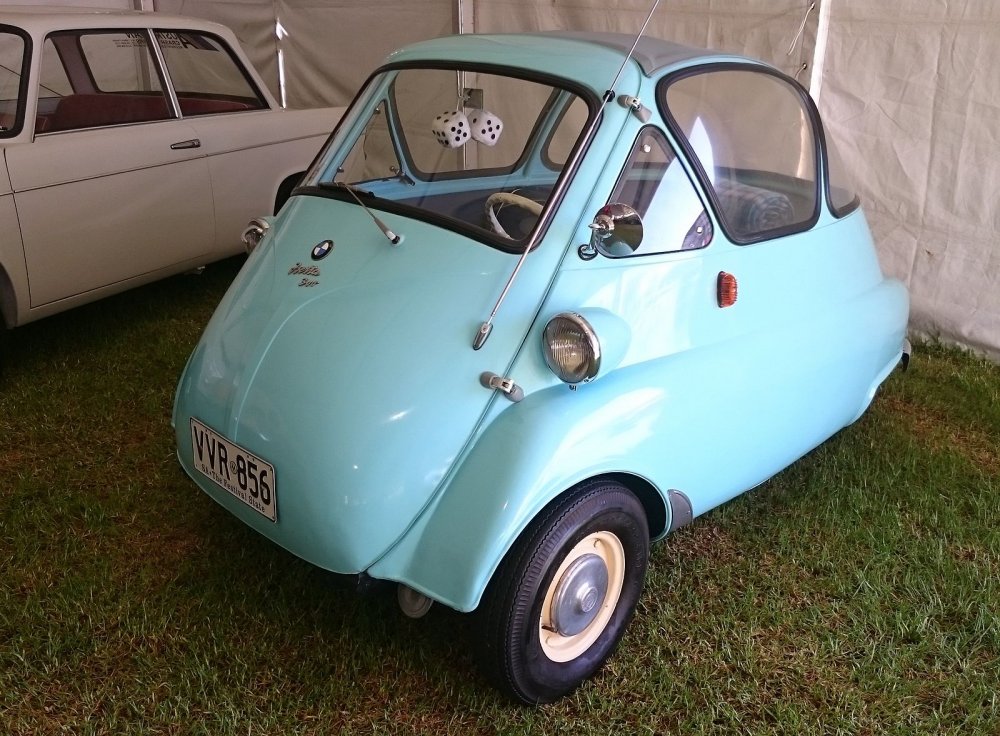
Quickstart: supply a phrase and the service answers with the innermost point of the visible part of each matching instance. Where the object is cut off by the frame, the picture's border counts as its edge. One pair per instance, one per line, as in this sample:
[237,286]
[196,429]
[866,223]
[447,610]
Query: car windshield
[462,148]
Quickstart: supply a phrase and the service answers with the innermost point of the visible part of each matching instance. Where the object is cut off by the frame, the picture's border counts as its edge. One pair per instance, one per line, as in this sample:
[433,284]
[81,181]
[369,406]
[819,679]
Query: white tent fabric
[906,87]
[912,85]
[328,47]
[764,29]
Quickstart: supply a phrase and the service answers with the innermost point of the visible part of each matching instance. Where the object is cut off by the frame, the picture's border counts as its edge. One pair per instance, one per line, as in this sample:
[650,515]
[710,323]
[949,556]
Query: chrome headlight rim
[254,233]
[593,345]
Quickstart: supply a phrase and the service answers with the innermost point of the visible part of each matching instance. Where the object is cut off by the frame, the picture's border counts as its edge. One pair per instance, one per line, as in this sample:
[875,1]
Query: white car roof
[42,19]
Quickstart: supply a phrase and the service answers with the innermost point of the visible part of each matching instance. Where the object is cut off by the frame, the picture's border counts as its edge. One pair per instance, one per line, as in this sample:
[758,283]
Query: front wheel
[560,601]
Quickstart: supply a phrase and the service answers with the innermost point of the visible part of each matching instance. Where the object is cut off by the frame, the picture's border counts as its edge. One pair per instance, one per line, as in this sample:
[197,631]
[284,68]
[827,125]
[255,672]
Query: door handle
[180,145]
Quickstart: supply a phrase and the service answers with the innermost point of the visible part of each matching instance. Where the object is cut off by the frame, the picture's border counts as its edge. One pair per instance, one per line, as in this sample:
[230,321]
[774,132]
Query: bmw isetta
[513,327]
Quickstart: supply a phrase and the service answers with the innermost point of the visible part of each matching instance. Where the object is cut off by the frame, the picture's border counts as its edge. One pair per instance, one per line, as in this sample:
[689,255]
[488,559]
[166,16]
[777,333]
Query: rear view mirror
[617,230]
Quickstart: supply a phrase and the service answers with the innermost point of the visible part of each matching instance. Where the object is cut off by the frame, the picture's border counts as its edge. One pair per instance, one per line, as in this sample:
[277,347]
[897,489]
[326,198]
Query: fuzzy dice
[451,129]
[486,126]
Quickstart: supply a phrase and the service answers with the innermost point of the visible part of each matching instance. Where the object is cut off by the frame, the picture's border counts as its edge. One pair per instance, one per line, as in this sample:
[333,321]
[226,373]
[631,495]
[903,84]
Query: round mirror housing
[617,230]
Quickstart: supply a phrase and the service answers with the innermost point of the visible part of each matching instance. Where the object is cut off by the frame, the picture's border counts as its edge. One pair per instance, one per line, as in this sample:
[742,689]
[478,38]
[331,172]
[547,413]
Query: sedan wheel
[560,601]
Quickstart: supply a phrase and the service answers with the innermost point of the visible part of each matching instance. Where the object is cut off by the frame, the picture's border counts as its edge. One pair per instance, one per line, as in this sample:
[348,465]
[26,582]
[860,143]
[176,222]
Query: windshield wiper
[337,185]
[357,194]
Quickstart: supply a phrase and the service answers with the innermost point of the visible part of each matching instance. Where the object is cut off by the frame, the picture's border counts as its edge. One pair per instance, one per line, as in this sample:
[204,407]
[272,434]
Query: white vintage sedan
[135,146]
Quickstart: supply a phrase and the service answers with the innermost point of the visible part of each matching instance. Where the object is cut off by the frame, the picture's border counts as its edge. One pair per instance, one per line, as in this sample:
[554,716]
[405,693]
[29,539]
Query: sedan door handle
[193,143]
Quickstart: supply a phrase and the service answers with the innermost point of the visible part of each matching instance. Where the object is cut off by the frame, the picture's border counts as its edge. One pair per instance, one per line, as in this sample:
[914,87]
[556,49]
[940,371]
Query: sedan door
[250,148]
[112,188]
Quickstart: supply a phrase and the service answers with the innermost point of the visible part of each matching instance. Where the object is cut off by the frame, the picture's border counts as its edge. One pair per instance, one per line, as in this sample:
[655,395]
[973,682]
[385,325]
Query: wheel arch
[8,300]
[458,574]
[656,508]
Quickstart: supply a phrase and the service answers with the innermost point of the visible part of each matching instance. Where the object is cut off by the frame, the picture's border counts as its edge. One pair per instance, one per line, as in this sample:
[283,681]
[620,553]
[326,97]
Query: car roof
[589,58]
[40,19]
[651,54]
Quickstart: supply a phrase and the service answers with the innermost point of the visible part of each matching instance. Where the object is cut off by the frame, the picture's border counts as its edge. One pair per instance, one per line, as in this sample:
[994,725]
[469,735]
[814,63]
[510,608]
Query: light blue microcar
[537,303]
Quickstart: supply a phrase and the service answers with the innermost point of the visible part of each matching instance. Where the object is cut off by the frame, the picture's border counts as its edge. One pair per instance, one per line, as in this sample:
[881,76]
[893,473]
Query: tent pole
[819,53]
[464,16]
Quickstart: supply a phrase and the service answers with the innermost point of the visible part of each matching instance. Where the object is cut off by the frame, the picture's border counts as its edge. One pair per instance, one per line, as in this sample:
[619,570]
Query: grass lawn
[857,592]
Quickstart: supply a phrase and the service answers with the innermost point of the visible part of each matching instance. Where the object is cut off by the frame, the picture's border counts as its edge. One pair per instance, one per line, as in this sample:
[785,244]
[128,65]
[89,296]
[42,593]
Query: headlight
[254,233]
[571,348]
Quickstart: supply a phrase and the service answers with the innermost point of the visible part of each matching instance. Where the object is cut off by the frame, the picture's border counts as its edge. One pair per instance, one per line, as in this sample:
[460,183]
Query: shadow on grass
[103,325]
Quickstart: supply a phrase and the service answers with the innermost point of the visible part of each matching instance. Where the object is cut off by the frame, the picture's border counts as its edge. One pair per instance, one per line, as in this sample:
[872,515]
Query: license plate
[238,471]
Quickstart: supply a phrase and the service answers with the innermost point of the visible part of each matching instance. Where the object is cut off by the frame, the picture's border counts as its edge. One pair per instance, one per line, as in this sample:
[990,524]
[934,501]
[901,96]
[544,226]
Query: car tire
[561,599]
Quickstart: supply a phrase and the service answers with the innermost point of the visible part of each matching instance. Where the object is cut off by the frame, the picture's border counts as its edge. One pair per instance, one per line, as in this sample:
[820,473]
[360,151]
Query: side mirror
[617,230]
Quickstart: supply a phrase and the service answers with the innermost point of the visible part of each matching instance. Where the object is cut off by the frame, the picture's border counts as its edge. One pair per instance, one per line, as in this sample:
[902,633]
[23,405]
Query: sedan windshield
[466,149]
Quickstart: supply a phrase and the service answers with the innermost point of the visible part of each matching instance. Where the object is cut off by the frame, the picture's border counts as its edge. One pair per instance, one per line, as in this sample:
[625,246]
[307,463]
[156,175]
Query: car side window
[11,62]
[563,137]
[96,78]
[206,75]
[373,155]
[754,138]
[842,193]
[655,184]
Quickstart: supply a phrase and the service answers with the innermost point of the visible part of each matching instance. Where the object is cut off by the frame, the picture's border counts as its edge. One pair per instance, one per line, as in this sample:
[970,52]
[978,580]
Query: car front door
[725,345]
[774,322]
[112,187]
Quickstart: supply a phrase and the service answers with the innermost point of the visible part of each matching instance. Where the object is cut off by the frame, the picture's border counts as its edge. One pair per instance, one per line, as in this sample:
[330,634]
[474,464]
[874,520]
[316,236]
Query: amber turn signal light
[726,287]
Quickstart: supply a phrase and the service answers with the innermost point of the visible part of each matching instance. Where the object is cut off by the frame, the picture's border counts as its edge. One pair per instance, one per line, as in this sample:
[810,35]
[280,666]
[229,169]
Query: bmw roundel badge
[322,250]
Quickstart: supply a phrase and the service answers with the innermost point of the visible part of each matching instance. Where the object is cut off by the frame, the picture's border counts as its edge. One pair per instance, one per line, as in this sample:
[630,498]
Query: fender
[529,455]
[656,416]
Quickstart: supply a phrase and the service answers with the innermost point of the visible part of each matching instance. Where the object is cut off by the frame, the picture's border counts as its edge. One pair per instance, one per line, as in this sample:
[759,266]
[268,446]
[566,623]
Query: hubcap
[579,593]
[582,596]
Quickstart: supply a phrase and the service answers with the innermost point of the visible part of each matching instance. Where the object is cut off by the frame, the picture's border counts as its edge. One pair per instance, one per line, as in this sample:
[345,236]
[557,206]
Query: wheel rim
[582,596]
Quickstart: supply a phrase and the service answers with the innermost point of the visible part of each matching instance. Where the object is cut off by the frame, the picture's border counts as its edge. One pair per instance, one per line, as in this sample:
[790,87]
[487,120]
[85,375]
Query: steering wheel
[508,198]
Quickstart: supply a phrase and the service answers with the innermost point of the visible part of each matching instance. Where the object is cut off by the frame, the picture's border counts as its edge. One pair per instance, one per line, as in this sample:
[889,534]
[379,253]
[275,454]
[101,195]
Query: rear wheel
[560,601]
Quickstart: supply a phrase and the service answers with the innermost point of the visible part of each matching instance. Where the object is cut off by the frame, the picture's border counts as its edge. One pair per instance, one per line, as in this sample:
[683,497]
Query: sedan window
[92,79]
[120,62]
[11,63]
[206,76]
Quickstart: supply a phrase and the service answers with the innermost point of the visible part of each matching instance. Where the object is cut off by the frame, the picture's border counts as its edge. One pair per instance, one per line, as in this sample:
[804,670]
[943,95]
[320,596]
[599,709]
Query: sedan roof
[41,19]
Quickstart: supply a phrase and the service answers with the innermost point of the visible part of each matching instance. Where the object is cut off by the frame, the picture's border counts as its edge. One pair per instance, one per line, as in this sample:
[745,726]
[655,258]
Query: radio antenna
[487,327]
[610,94]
